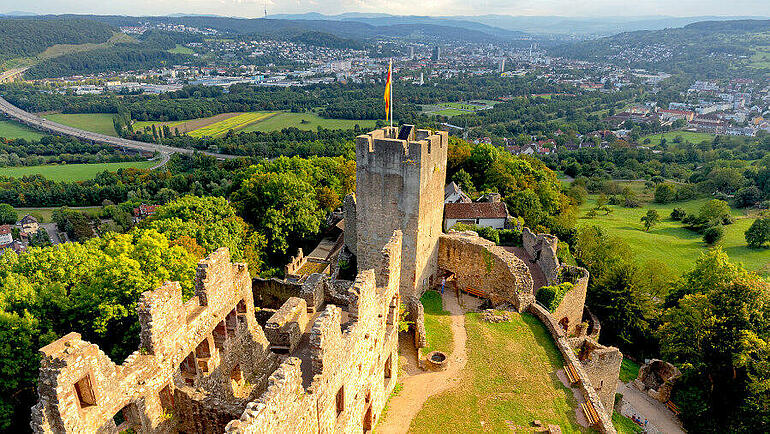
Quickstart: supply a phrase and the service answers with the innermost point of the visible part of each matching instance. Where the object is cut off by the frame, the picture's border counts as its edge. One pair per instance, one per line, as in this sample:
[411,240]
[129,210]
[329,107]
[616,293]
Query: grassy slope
[629,370]
[180,49]
[510,380]
[437,324]
[62,49]
[625,425]
[286,120]
[669,242]
[72,172]
[95,122]
[15,130]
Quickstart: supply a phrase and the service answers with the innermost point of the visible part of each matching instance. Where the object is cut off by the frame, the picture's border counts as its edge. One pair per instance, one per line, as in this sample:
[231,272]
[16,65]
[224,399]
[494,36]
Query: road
[39,123]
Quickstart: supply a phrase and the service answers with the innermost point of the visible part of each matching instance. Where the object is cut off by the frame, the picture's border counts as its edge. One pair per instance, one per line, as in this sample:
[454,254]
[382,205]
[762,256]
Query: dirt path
[418,386]
[660,418]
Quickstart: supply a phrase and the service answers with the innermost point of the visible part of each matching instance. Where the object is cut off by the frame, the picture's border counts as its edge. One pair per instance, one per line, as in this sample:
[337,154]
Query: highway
[39,123]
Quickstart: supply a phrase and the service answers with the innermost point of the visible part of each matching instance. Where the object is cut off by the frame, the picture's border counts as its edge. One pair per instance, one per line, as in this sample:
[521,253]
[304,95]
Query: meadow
[437,324]
[669,242]
[687,136]
[95,122]
[509,381]
[14,130]
[45,215]
[73,172]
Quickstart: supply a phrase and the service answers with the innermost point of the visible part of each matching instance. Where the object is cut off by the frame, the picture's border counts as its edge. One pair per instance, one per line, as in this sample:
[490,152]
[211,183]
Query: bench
[590,412]
[571,374]
[673,407]
[475,292]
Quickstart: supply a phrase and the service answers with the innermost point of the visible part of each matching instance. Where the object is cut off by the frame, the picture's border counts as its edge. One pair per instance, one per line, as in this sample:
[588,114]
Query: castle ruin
[326,358]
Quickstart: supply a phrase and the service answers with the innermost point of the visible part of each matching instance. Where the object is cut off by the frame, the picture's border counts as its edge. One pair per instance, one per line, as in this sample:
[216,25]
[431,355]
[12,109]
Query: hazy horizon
[517,8]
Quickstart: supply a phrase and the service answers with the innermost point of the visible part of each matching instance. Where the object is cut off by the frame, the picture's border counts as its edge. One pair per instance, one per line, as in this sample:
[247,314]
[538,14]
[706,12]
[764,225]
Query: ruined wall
[351,217]
[354,363]
[542,249]
[570,358]
[180,379]
[602,365]
[399,186]
[480,264]
[570,310]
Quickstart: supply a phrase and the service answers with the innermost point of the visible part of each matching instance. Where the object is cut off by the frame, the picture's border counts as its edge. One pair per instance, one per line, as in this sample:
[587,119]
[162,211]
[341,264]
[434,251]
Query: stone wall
[273,293]
[570,310]
[479,264]
[182,376]
[351,217]
[354,363]
[542,249]
[399,186]
[604,424]
[285,328]
[602,365]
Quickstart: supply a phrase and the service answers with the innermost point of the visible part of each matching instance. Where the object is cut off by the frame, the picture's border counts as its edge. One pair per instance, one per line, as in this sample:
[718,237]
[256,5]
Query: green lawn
[509,381]
[72,172]
[311,122]
[670,243]
[625,425]
[95,122]
[44,215]
[15,130]
[437,324]
[450,112]
[180,49]
[629,370]
[687,136]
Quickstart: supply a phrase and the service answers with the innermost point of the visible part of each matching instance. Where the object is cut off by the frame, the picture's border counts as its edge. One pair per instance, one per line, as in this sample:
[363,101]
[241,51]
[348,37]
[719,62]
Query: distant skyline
[255,8]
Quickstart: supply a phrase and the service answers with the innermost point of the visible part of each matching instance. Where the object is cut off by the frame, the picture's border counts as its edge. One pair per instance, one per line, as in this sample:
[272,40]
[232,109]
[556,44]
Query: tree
[464,180]
[748,196]
[665,193]
[713,234]
[8,214]
[715,212]
[758,233]
[282,206]
[650,219]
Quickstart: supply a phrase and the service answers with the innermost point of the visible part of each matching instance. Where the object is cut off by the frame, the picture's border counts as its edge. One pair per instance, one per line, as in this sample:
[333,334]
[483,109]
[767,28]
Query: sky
[255,8]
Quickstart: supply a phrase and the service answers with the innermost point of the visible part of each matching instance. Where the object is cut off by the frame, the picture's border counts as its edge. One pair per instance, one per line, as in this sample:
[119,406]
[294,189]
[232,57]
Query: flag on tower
[387,91]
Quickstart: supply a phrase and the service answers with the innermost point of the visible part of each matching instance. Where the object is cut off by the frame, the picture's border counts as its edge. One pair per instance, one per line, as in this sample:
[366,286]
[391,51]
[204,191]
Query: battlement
[398,147]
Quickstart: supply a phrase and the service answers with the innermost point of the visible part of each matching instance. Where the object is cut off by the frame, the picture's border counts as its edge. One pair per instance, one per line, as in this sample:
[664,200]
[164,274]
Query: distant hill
[418,28]
[706,49]
[26,37]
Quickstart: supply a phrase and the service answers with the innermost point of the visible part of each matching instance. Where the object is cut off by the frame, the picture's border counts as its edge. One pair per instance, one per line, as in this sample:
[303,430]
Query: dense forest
[30,37]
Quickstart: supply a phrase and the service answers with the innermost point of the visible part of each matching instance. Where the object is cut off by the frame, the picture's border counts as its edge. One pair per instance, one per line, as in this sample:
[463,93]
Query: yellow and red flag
[387,91]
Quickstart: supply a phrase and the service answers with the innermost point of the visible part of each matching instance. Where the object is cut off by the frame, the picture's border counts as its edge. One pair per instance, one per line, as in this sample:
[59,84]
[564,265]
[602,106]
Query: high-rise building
[436,54]
[502,65]
[411,53]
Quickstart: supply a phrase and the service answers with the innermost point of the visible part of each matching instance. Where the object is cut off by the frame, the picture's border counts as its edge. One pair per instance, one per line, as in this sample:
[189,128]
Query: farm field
[72,172]
[14,130]
[184,126]
[509,380]
[180,49]
[234,123]
[688,136]
[95,122]
[306,121]
[670,243]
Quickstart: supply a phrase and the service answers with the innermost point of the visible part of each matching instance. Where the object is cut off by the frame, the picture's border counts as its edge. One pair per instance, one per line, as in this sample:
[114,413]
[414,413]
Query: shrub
[551,296]
[510,237]
[686,192]
[678,214]
[713,234]
[665,193]
[758,233]
[748,196]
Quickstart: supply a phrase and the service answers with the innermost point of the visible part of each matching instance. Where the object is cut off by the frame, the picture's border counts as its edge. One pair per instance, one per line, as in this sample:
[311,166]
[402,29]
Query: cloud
[255,8]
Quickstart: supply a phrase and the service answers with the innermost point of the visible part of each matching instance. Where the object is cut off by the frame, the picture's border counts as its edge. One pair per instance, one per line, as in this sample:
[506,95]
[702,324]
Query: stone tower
[400,186]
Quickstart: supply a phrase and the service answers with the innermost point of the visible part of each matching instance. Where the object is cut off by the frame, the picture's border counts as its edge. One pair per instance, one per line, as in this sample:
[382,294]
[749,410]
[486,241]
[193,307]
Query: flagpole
[391,93]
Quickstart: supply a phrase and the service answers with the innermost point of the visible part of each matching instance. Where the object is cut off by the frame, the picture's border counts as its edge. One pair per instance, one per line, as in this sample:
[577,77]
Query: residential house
[454,194]
[28,224]
[6,236]
[482,214]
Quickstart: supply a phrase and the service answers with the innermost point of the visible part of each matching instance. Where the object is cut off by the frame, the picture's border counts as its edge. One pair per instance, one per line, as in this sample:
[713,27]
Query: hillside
[709,49]
[30,37]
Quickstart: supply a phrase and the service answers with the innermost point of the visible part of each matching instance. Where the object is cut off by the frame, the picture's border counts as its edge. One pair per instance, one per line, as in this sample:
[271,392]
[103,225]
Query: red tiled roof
[5,229]
[476,210]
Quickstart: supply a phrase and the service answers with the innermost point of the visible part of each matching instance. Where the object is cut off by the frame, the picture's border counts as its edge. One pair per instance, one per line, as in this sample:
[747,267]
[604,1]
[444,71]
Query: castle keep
[400,175]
